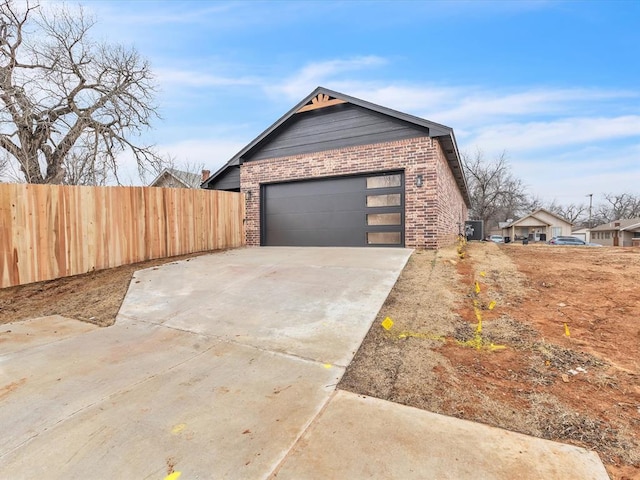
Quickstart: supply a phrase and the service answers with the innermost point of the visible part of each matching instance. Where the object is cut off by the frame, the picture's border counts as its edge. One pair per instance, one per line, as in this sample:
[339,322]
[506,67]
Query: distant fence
[51,231]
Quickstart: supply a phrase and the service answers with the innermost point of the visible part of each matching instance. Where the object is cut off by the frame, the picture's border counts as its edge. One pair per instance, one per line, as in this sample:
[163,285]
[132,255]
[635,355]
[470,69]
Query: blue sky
[554,84]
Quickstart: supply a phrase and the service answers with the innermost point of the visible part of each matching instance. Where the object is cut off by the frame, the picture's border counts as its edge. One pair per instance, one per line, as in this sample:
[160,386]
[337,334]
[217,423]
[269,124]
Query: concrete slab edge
[278,466]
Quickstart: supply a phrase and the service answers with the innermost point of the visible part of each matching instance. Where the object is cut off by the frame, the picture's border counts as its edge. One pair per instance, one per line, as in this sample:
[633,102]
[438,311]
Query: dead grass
[527,386]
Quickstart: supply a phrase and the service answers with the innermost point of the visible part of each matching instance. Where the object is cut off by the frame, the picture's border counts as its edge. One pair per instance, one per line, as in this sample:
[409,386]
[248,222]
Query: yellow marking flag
[387,323]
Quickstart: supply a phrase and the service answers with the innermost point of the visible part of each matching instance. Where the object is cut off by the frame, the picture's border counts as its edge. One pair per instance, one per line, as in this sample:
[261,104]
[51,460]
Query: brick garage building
[339,171]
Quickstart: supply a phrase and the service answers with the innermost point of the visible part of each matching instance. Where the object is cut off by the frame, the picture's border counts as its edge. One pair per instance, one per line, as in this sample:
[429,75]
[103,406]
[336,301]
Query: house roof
[436,130]
[533,215]
[189,180]
[625,224]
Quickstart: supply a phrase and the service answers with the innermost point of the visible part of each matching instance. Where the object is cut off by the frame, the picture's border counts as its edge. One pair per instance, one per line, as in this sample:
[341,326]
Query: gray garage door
[357,211]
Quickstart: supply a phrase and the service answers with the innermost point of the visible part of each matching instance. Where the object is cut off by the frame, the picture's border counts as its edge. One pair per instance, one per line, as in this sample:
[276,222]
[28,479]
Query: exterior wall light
[419,180]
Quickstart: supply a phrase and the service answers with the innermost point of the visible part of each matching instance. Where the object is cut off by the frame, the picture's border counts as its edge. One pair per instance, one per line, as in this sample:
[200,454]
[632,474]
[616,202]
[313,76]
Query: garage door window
[384,181]
[384,219]
[392,200]
[383,238]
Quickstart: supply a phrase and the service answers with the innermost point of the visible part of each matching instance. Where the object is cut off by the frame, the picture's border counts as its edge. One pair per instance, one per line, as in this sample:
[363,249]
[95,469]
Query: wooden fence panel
[52,231]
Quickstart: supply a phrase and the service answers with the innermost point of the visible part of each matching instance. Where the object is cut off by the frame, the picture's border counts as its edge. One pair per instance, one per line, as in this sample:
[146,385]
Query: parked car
[496,239]
[571,241]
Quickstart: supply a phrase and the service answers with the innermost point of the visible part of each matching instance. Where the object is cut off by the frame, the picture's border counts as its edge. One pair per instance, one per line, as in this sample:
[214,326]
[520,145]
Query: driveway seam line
[231,342]
[307,427]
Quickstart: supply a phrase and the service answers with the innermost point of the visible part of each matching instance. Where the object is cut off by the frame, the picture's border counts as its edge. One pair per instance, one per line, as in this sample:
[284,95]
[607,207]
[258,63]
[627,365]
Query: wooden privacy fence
[51,231]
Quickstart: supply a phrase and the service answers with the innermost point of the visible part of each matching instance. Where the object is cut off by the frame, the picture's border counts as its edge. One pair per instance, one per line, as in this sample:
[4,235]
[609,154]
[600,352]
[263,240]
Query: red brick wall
[452,211]
[432,211]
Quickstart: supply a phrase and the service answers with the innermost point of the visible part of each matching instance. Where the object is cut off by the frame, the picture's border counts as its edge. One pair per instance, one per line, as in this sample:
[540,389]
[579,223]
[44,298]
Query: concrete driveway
[225,366]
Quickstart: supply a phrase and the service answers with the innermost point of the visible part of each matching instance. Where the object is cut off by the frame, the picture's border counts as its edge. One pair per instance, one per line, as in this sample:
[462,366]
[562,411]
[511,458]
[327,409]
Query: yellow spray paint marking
[173,476]
[478,343]
[479,327]
[566,330]
[428,336]
[327,366]
[178,428]
[387,323]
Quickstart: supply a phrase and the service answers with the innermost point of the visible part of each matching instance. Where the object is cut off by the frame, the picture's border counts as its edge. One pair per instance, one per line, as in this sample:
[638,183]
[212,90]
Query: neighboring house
[582,234]
[339,171]
[538,226]
[172,178]
[623,233]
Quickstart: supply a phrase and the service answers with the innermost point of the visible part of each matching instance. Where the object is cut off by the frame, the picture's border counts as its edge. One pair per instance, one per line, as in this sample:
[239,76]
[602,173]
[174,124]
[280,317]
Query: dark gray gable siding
[228,180]
[331,128]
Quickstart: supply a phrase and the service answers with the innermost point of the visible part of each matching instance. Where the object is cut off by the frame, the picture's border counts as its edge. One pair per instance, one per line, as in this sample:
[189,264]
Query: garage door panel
[340,202]
[313,188]
[315,238]
[321,220]
[334,212]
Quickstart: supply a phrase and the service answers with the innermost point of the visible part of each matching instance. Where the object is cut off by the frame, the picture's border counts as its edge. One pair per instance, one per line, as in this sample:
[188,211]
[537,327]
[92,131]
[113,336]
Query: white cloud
[518,137]
[569,176]
[478,107]
[164,13]
[199,79]
[322,73]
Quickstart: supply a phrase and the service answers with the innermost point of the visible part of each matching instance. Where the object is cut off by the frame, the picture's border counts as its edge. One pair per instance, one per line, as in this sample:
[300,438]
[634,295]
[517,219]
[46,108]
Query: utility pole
[590,195]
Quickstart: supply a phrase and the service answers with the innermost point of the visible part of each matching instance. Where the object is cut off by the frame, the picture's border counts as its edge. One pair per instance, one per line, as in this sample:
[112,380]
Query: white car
[496,239]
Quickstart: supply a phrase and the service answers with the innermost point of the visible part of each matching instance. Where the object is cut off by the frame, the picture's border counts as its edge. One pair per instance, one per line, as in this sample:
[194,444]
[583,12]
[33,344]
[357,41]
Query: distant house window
[607,235]
[556,231]
[636,234]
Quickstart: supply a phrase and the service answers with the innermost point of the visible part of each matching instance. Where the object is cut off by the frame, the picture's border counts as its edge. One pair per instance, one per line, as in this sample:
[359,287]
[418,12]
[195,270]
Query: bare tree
[617,206]
[65,98]
[572,213]
[4,164]
[531,204]
[496,194]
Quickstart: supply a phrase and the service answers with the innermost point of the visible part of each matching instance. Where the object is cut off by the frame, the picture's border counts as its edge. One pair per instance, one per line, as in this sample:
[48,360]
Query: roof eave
[455,164]
[632,226]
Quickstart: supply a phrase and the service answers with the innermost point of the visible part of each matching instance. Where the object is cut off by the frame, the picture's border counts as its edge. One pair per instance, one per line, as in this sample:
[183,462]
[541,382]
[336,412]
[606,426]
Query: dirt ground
[94,297]
[557,356]
[524,370]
